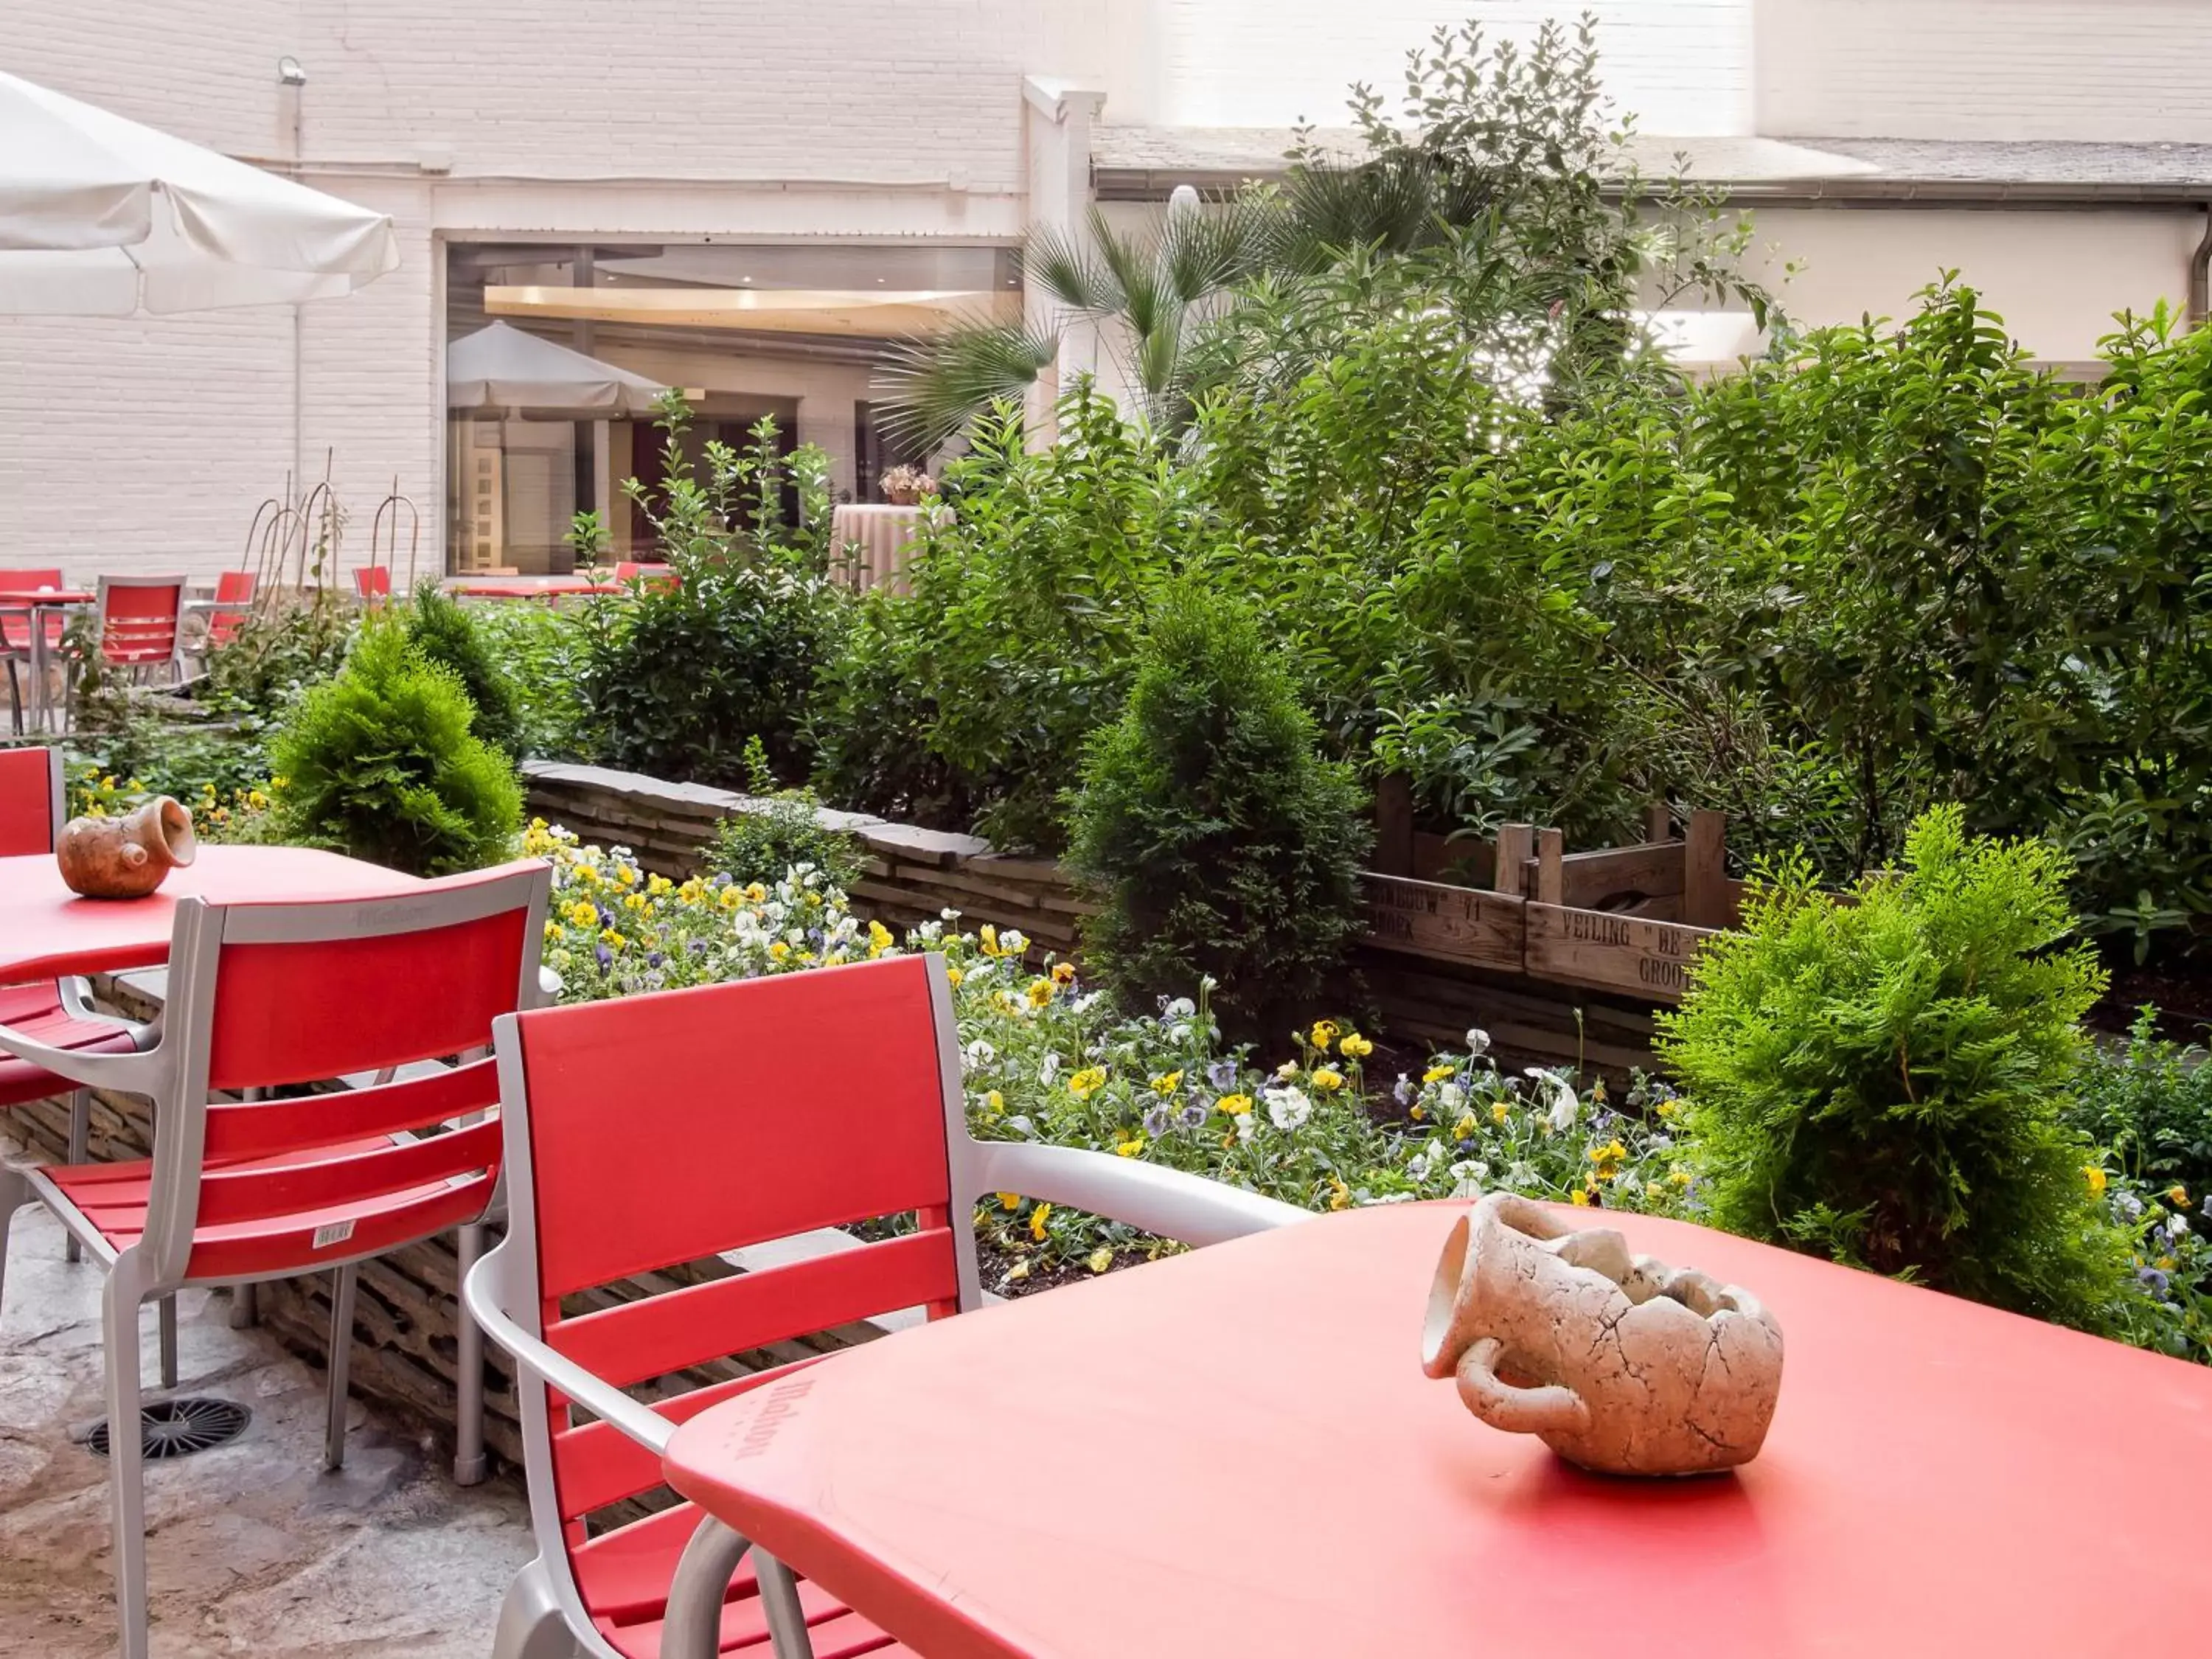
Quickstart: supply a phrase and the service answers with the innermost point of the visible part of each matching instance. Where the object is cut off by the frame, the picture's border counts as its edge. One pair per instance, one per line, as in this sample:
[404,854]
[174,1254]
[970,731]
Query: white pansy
[1180,1008]
[1288,1107]
[1013,942]
[1477,1041]
[1451,1097]
[1050,1068]
[979,1052]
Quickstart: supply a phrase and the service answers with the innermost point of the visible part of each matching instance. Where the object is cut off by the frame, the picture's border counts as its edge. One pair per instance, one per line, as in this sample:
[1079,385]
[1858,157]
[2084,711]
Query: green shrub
[783,828]
[1883,1079]
[2151,1105]
[1224,846]
[444,633]
[380,763]
[541,649]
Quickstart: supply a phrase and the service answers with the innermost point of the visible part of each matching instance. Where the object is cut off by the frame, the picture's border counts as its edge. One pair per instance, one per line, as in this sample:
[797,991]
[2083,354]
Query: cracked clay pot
[1620,1365]
[126,857]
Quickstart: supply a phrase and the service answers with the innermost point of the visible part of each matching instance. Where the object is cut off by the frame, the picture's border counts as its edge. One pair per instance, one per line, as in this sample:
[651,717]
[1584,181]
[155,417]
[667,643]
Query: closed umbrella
[502,367]
[102,217]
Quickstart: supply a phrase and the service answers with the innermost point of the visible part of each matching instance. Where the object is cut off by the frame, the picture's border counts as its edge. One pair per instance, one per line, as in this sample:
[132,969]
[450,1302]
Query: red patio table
[33,602]
[1234,1452]
[46,932]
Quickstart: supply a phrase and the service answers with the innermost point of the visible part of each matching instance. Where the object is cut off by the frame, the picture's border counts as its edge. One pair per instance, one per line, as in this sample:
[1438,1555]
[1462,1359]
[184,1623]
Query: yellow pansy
[1010,1201]
[1340,1195]
[1327,1077]
[779,950]
[1437,1073]
[987,940]
[1355,1046]
[994,1102]
[612,939]
[1463,1128]
[1040,993]
[1130,1147]
[1063,973]
[583,913]
[1234,1105]
[1499,1111]
[879,939]
[1038,1217]
[956,976]
[1324,1033]
[730,898]
[1578,1197]
[2178,1196]
[1087,1082]
[1167,1082]
[755,893]
[2095,1177]
[1100,1259]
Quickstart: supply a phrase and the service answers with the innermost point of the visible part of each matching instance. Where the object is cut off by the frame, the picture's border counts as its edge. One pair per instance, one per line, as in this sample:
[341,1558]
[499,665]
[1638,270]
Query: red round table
[47,931]
[1234,1452]
[33,603]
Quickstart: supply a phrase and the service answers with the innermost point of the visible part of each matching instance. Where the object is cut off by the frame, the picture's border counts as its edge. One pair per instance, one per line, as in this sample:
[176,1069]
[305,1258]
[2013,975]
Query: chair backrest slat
[269,1191]
[30,800]
[269,1128]
[597,1464]
[818,1096]
[662,1335]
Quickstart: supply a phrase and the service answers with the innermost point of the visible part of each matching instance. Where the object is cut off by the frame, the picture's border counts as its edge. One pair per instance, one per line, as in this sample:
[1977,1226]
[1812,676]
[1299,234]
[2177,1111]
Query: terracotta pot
[127,857]
[1618,1364]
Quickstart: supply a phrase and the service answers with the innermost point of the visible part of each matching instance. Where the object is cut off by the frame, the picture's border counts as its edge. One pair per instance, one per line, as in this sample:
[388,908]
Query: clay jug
[126,857]
[1618,1364]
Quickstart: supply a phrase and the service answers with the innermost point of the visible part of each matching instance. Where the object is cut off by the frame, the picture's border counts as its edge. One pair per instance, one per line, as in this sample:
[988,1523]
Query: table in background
[1234,1452]
[528,588]
[879,539]
[33,603]
[46,932]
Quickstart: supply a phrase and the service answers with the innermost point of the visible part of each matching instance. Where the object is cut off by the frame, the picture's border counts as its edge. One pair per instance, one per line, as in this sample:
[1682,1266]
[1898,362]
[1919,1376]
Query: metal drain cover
[180,1427]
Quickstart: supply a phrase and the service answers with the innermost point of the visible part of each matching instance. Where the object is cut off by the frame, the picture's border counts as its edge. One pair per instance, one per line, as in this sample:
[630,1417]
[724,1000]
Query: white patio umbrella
[506,368]
[102,217]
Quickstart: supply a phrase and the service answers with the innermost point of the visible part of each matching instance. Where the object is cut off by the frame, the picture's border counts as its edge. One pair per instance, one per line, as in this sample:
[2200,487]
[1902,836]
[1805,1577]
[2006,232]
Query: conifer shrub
[1885,1080]
[1222,845]
[444,633]
[379,762]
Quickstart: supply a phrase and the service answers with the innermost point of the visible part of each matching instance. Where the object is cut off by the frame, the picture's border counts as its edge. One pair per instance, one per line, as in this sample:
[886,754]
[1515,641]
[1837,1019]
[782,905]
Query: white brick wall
[2117,71]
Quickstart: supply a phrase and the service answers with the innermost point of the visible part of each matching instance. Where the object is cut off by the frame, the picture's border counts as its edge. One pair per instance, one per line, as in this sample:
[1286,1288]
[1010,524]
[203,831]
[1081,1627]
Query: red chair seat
[37,1012]
[623,1577]
[113,1197]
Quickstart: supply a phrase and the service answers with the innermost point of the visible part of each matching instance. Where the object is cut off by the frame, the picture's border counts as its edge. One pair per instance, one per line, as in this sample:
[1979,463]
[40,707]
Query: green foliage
[442,632]
[1226,848]
[379,762]
[1882,1080]
[1016,643]
[291,640]
[675,679]
[2151,1105]
[541,649]
[781,829]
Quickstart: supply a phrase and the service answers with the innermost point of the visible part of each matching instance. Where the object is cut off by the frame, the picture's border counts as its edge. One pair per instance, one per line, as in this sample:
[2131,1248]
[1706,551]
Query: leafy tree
[443,632]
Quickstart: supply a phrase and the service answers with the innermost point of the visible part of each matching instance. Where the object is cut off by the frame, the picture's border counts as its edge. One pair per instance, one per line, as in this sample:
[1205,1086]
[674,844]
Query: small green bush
[380,763]
[2151,1103]
[444,633]
[1225,847]
[783,828]
[1884,1080]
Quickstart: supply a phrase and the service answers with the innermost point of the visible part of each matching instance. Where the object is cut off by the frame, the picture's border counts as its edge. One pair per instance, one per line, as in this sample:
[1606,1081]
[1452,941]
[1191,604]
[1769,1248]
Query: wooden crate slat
[1608,951]
[1451,924]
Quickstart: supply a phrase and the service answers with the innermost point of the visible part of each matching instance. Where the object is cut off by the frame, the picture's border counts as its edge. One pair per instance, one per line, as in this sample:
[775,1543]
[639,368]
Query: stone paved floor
[254,1550]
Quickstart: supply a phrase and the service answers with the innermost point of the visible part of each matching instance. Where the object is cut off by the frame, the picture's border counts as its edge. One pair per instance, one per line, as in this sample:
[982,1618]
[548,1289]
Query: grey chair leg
[341,1364]
[79,1140]
[167,1318]
[120,1311]
[468,1362]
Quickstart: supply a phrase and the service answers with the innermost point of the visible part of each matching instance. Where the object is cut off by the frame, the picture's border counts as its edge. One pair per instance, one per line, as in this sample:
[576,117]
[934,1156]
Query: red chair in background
[265,996]
[751,1113]
[15,630]
[225,615]
[56,1012]
[651,576]
[372,583]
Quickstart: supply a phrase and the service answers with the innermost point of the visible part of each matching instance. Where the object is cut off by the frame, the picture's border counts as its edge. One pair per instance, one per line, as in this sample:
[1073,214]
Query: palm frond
[1060,263]
[933,386]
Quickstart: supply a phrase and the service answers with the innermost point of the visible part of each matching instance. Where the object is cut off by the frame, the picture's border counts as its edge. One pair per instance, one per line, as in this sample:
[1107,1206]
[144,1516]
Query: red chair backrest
[666,1129]
[29,807]
[231,587]
[373,582]
[16,630]
[287,994]
[138,619]
[653,575]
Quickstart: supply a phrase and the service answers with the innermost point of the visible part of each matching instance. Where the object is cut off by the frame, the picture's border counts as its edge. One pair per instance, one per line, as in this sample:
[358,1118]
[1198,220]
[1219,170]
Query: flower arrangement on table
[1047,1059]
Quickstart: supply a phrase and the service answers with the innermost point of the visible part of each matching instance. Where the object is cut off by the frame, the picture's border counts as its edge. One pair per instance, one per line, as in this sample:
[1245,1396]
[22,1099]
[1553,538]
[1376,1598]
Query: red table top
[46,930]
[543,588]
[1234,1452]
[27,596]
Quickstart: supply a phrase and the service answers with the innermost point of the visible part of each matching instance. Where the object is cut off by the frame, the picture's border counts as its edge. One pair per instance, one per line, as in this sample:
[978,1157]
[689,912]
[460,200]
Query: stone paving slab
[254,1550]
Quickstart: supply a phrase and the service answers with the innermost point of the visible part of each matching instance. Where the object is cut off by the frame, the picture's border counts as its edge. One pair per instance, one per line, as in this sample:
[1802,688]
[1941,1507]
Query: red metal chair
[56,1012]
[265,996]
[233,588]
[372,583]
[651,576]
[139,617]
[15,630]
[662,1130]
